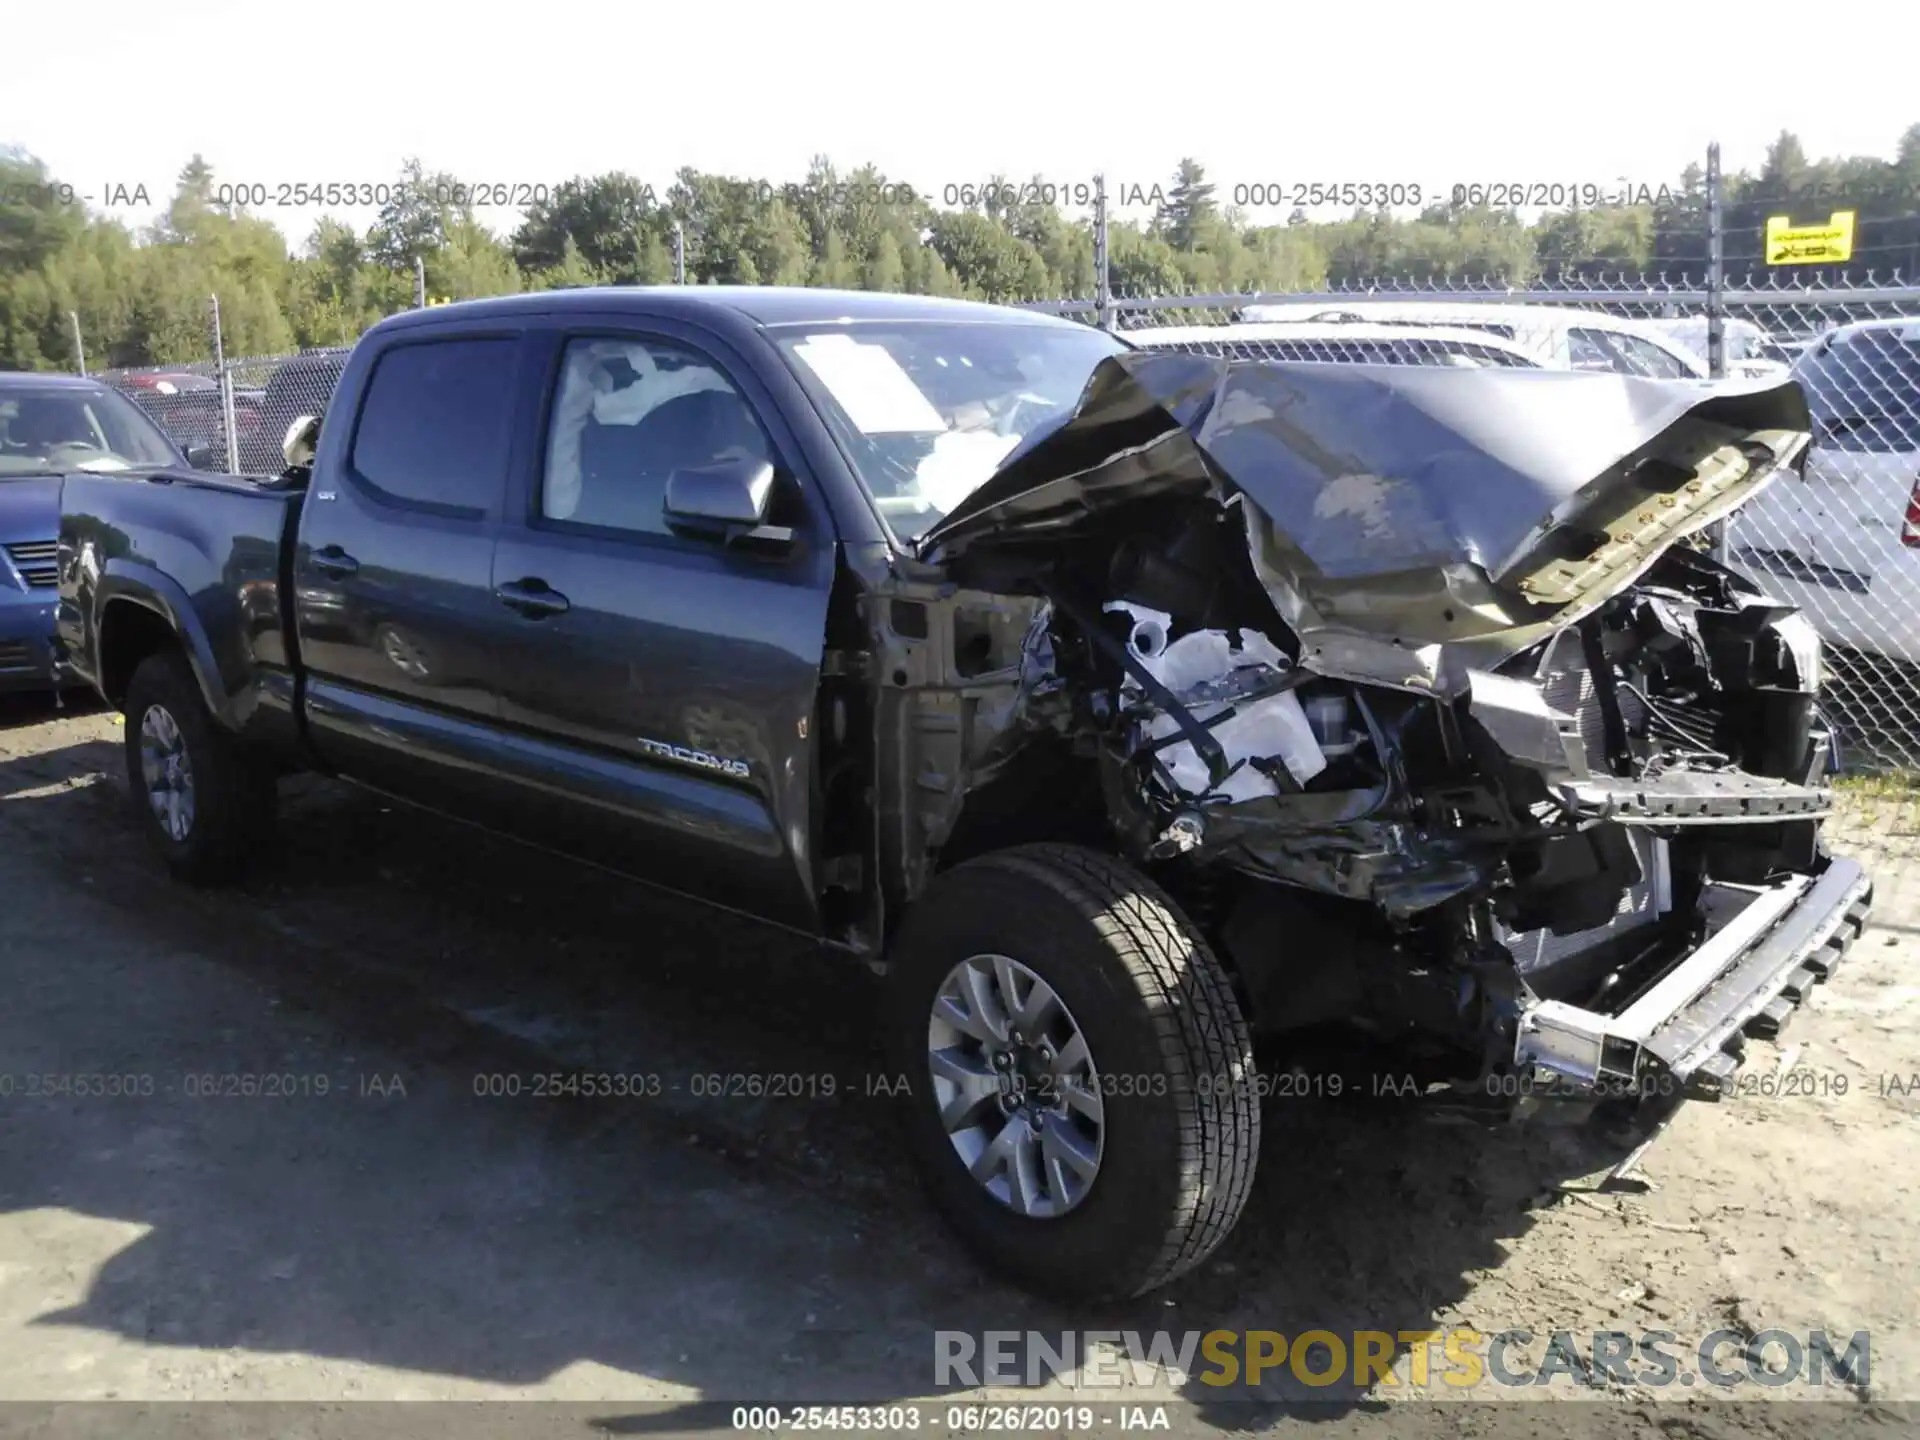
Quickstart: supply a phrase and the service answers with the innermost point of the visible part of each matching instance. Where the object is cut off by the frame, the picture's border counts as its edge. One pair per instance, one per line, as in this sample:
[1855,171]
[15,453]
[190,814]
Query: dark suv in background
[300,386]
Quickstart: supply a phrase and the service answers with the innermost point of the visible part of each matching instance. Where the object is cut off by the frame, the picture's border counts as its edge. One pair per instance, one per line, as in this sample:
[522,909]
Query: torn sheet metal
[1523,724]
[1409,522]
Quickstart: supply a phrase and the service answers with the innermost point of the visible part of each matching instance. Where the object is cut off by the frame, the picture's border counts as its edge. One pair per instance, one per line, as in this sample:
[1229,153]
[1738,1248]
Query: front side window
[435,424]
[52,431]
[626,415]
[928,410]
[1588,350]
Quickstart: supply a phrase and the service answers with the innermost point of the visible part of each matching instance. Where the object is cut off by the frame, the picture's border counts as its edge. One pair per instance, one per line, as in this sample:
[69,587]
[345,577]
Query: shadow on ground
[740,1247]
[35,707]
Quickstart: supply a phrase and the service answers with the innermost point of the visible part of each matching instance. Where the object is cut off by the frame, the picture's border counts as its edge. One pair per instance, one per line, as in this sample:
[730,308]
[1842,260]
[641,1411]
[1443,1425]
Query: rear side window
[434,424]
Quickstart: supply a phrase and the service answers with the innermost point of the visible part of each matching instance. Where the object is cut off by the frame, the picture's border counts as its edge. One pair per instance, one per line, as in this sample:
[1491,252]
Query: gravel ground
[407,1236]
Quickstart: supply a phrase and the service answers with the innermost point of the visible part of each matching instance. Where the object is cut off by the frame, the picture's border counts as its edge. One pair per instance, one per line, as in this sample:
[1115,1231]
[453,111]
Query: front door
[657,685]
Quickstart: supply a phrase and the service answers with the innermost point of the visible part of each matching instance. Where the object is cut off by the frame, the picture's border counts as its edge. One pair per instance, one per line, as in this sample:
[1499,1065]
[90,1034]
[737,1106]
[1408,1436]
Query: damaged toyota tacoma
[1120,709]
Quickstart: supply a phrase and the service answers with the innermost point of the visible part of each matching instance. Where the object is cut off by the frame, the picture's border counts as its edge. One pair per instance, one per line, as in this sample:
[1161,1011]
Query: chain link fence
[1844,545]
[265,393]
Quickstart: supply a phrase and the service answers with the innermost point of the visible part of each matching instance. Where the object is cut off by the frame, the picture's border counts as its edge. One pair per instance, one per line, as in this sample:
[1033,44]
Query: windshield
[1865,392]
[928,410]
[57,430]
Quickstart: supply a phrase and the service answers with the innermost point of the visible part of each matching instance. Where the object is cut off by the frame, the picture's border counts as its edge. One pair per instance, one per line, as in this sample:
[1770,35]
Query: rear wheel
[204,802]
[1082,1109]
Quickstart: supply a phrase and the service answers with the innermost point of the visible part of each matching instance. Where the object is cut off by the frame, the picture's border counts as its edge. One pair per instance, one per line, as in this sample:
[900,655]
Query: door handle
[532,598]
[335,562]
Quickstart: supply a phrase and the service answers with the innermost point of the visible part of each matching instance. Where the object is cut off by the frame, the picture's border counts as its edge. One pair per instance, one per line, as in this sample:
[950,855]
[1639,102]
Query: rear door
[658,686]
[393,567]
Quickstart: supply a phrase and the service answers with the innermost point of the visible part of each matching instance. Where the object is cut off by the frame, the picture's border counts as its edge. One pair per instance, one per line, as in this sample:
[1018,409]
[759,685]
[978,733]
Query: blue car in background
[50,426]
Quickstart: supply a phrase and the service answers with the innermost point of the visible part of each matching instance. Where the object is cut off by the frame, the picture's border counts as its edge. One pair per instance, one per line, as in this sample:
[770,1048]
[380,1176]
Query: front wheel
[1082,1108]
[205,803]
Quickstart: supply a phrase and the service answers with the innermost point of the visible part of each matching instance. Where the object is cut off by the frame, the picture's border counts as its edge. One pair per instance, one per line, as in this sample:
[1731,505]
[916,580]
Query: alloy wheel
[1016,1086]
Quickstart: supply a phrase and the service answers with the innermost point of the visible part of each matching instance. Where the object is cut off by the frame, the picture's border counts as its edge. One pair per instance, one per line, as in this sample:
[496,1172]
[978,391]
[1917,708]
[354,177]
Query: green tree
[989,263]
[610,218]
[884,270]
[571,273]
[473,263]
[1141,264]
[1189,204]
[192,204]
[1786,171]
[415,220]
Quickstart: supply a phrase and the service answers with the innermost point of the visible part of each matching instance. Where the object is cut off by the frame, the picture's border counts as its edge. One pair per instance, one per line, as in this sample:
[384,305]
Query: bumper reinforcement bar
[1746,979]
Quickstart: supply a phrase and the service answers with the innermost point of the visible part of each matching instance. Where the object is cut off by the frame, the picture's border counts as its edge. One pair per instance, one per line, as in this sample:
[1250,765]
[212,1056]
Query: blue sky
[120,94]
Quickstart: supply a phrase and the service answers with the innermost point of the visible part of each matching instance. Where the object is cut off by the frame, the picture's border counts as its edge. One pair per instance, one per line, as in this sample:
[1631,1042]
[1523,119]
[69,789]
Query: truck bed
[207,554]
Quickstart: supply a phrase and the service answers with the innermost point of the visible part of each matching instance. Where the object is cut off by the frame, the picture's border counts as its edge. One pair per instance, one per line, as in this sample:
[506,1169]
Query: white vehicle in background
[1350,342]
[1751,351]
[1564,338]
[1844,545]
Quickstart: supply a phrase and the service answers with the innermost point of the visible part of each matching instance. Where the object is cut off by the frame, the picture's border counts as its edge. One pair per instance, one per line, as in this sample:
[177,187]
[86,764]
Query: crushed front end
[1411,687]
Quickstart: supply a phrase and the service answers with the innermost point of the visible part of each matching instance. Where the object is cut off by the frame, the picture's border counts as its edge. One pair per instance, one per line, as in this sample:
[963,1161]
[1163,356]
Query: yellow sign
[1788,244]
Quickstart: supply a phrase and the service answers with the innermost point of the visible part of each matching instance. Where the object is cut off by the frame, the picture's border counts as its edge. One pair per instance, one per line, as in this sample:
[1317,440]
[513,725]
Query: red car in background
[187,407]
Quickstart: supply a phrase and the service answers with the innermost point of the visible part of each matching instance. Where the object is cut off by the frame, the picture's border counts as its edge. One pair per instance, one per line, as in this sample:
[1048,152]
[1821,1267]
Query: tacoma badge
[686,755]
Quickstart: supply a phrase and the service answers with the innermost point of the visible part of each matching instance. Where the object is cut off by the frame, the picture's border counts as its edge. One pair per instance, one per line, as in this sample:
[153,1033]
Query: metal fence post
[79,345]
[1102,285]
[1716,269]
[226,388]
[679,254]
[1721,533]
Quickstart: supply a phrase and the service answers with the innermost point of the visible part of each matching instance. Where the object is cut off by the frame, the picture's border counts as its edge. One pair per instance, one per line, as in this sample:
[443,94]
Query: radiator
[1642,904]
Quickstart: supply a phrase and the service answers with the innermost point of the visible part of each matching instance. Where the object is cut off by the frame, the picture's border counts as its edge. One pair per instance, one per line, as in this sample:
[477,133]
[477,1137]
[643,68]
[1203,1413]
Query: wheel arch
[138,618]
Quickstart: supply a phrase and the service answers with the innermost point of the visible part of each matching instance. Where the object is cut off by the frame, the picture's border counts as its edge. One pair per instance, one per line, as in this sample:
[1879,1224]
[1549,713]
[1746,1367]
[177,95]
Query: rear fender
[229,697]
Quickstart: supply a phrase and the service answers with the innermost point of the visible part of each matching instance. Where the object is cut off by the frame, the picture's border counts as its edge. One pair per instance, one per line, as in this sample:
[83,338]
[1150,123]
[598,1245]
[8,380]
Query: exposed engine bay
[1408,687]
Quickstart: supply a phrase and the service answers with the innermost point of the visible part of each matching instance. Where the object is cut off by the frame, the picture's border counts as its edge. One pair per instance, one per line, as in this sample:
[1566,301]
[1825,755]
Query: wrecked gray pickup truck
[1400,683]
[1119,708]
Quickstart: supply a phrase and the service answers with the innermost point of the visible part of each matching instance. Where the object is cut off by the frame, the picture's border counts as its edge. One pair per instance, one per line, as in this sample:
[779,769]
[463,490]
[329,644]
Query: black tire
[1161,1021]
[233,791]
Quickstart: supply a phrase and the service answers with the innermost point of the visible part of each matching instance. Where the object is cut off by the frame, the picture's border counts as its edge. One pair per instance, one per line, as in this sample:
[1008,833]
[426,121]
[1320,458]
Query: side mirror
[301,440]
[728,500]
[202,457]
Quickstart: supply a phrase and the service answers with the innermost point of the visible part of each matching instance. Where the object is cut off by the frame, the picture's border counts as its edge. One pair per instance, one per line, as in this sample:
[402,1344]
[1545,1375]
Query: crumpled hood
[1409,507]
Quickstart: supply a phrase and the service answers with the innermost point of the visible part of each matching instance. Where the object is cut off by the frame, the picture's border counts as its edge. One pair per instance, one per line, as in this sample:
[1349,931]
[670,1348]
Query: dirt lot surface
[405,1235]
